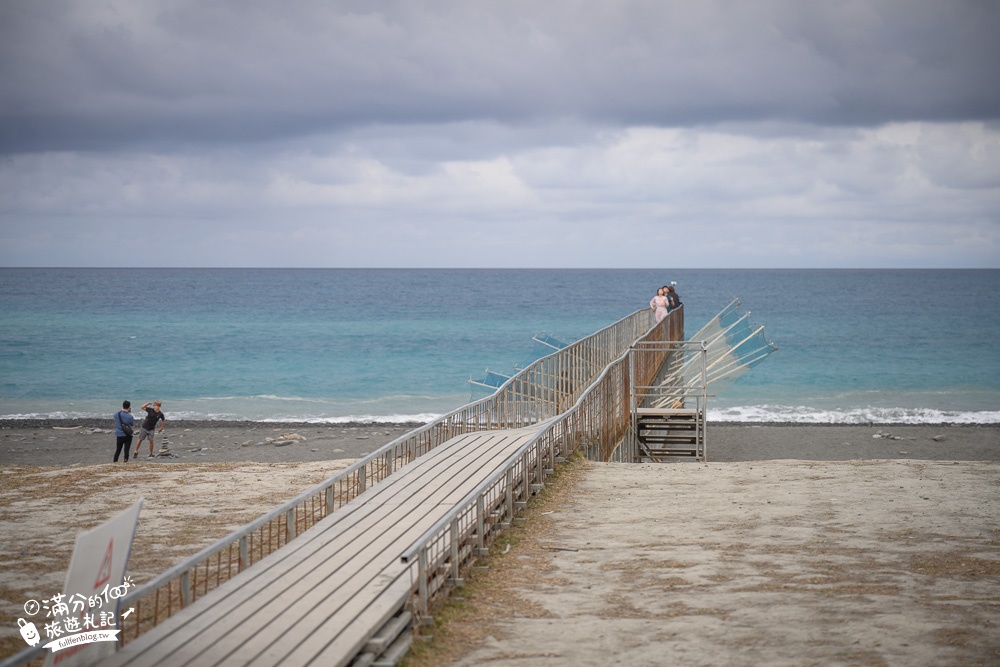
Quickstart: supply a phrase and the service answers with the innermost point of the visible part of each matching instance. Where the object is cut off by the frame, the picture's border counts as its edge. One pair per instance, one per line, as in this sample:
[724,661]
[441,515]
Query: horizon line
[516,268]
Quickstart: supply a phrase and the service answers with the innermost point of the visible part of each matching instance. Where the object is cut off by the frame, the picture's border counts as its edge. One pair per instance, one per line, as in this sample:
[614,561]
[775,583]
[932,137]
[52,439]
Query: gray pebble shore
[92,441]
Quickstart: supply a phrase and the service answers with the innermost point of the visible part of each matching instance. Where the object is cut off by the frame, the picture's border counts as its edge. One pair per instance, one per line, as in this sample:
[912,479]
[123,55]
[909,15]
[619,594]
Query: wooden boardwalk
[319,600]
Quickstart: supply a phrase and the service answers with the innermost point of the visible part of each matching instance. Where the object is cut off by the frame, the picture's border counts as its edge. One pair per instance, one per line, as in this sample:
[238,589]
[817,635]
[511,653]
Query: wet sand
[90,442]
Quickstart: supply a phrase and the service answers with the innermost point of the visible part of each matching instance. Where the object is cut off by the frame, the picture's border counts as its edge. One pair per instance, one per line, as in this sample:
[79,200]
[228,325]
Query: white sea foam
[424,418]
[863,415]
[200,410]
[420,418]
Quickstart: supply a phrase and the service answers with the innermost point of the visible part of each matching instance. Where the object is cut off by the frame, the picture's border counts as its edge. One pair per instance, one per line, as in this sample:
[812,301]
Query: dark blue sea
[350,345]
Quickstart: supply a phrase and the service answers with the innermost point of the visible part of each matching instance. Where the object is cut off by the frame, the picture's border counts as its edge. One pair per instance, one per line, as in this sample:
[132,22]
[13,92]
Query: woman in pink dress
[658,304]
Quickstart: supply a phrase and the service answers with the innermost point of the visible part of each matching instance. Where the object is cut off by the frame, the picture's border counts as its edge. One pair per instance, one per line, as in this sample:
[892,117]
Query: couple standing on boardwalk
[666,300]
[125,424]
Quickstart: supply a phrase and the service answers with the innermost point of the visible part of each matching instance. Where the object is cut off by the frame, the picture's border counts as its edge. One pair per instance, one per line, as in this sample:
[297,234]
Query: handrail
[441,553]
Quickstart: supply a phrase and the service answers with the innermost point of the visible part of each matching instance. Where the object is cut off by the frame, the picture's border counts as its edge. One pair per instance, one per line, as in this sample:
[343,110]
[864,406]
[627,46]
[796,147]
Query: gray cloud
[562,133]
[88,75]
[903,195]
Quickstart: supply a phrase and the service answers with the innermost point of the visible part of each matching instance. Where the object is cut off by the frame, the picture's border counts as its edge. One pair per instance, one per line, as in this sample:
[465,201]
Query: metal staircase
[664,434]
[670,382]
[668,417]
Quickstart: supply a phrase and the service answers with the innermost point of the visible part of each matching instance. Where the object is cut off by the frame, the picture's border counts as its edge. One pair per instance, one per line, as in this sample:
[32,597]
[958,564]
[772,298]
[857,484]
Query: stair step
[670,434]
[668,441]
[668,422]
[681,429]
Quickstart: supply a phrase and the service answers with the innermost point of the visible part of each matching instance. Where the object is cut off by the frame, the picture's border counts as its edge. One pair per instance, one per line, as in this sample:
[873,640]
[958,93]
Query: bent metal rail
[588,381]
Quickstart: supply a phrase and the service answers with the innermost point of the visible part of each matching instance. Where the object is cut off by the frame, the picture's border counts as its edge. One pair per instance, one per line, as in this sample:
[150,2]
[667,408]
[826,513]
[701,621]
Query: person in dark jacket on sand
[153,415]
[124,422]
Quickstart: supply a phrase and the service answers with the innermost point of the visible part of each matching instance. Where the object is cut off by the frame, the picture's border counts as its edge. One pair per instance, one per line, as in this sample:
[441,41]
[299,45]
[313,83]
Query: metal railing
[673,389]
[547,387]
[596,425]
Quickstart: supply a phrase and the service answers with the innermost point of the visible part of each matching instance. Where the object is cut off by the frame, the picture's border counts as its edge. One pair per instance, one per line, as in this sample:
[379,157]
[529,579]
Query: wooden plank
[387,633]
[235,613]
[343,643]
[311,625]
[250,594]
[230,625]
[340,595]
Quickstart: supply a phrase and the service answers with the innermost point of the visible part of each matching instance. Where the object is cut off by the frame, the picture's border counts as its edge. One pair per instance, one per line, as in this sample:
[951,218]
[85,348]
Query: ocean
[400,345]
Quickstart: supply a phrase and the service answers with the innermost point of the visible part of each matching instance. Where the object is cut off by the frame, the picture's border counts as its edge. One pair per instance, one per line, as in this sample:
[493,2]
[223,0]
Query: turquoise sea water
[913,346]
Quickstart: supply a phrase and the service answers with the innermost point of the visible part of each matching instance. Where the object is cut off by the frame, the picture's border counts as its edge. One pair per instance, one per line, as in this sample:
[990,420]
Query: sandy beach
[748,563]
[792,545]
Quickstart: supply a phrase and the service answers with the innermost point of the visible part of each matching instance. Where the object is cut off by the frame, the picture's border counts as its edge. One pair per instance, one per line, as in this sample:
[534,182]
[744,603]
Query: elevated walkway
[321,599]
[333,576]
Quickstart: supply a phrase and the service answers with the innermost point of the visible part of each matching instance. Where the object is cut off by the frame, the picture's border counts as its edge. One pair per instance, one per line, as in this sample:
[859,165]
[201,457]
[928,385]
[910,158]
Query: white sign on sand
[95,578]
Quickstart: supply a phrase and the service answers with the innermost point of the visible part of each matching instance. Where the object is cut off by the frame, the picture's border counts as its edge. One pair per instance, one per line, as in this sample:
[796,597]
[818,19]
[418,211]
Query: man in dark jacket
[124,423]
[153,415]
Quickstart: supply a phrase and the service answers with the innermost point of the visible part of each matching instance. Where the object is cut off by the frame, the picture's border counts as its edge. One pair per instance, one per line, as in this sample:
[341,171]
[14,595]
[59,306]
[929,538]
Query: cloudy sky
[563,133]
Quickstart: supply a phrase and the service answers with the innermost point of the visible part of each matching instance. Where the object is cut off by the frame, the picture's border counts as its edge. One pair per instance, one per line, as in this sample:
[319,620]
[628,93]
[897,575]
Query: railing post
[525,482]
[550,468]
[422,580]
[185,584]
[456,580]
[509,497]
[539,472]
[481,549]
[244,552]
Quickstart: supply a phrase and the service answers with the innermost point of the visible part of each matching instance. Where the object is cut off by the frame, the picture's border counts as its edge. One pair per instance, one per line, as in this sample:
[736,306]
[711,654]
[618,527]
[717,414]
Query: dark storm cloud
[557,133]
[105,75]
